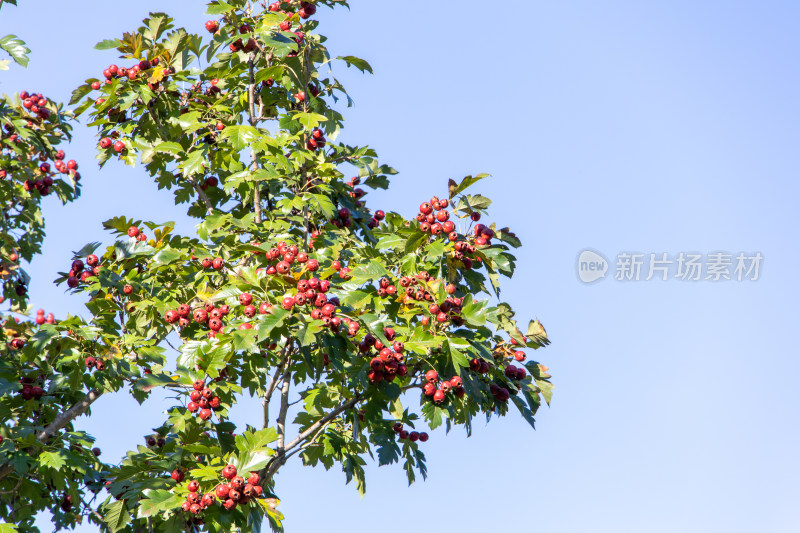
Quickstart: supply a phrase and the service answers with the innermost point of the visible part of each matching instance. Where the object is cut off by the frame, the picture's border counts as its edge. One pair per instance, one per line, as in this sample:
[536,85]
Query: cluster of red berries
[17,343]
[93,363]
[238,491]
[238,44]
[136,233]
[36,103]
[375,221]
[285,256]
[437,390]
[413,436]
[31,389]
[43,183]
[481,366]
[80,273]
[439,222]
[449,309]
[316,140]
[132,72]
[307,9]
[501,394]
[217,263]
[155,441]
[388,363]
[515,372]
[203,400]
[107,142]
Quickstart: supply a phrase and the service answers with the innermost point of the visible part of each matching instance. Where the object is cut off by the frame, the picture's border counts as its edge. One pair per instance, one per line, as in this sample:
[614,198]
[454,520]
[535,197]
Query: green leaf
[169,148]
[108,44]
[218,7]
[79,93]
[193,164]
[54,460]
[16,49]
[158,501]
[467,182]
[310,120]
[166,255]
[7,528]
[307,334]
[116,516]
[151,381]
[240,136]
[357,62]
[546,388]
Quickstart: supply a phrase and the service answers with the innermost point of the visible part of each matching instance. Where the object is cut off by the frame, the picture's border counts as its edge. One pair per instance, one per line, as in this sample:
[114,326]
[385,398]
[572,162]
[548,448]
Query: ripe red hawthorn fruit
[413,436]
[403,435]
[205,414]
[521,373]
[222,491]
[89,362]
[423,437]
[455,381]
[519,356]
[206,262]
[312,265]
[105,142]
[237,483]
[438,397]
[171,316]
[254,478]
[119,147]
[245,298]
[133,231]
[193,486]
[200,316]
[431,376]
[96,452]
[177,475]
[286,25]
[215,324]
[429,389]
[229,472]
[217,263]
[212,26]
[229,504]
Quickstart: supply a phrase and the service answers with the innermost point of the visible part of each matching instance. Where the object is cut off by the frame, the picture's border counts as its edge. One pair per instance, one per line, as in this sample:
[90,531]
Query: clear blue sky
[641,126]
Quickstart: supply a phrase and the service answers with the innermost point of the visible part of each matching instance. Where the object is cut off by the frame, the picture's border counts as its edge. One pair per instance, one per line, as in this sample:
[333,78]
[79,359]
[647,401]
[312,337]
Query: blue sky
[619,126]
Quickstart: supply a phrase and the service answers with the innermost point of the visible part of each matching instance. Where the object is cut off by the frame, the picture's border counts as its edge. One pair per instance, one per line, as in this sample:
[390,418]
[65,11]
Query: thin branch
[59,423]
[283,410]
[312,432]
[202,194]
[273,382]
[251,96]
[69,415]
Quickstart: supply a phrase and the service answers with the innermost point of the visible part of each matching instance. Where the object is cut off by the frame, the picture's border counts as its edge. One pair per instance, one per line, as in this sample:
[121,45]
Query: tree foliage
[292,287]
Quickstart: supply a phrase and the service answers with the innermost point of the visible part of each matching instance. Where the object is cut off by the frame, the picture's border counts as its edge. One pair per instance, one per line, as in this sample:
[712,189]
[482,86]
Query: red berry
[423,437]
[432,376]
[193,486]
[212,26]
[438,396]
[119,146]
[177,475]
[229,472]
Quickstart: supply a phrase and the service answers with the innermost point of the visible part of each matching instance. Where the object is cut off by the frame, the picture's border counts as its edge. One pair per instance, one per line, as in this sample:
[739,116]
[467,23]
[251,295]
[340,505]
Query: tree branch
[310,433]
[251,96]
[273,382]
[282,413]
[59,423]
[68,416]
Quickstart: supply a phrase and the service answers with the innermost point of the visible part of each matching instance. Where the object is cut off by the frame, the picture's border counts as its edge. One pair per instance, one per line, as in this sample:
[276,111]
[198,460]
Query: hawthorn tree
[292,287]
